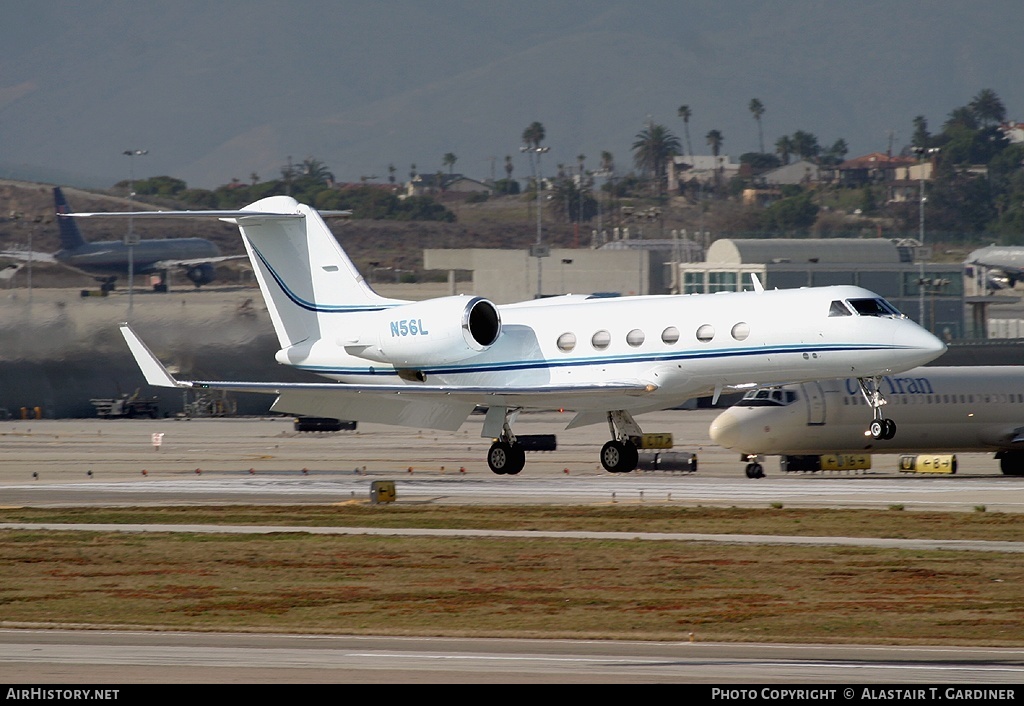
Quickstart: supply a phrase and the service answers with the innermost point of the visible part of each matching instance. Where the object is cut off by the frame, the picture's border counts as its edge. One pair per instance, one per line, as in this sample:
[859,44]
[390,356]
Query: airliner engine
[434,332]
[201,274]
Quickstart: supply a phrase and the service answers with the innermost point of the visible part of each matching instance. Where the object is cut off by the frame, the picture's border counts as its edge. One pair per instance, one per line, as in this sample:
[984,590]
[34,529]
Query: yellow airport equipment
[845,462]
[928,463]
[652,441]
[382,491]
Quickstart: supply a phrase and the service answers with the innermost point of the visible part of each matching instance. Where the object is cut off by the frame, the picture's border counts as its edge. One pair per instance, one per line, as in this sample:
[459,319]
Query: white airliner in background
[429,364]
[941,409]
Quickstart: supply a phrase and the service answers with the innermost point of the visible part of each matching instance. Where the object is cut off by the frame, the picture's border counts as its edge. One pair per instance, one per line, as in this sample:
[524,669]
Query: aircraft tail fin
[70,236]
[307,280]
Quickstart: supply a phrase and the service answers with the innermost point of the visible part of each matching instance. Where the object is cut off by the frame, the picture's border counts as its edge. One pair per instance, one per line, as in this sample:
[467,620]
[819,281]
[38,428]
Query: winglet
[758,287]
[152,369]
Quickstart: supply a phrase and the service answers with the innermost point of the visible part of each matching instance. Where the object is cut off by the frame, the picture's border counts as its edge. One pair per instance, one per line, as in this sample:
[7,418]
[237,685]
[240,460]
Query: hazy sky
[225,89]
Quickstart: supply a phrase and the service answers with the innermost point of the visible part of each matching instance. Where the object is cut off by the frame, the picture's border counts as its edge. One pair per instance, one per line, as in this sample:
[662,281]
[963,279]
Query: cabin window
[670,335]
[566,342]
[705,333]
[601,340]
[740,331]
[839,309]
[635,338]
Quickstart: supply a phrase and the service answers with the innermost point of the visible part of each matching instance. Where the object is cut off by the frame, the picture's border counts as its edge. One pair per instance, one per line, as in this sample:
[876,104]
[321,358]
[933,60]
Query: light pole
[921,152]
[538,250]
[130,239]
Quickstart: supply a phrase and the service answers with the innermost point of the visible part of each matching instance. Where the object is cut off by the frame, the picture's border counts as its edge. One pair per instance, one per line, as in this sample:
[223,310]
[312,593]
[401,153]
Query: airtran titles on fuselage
[408,327]
[897,386]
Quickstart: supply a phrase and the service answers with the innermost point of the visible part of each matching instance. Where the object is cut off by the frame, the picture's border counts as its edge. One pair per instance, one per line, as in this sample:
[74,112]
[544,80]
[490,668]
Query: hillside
[382,250]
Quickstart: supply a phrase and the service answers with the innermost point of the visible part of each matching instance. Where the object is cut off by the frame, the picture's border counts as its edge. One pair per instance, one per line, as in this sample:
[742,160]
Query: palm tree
[684,112]
[509,167]
[784,148]
[317,170]
[805,144]
[449,161]
[757,110]
[391,173]
[714,138]
[533,135]
[653,149]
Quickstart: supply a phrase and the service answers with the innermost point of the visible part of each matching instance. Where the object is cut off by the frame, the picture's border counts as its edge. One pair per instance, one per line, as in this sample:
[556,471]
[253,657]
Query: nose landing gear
[881,428]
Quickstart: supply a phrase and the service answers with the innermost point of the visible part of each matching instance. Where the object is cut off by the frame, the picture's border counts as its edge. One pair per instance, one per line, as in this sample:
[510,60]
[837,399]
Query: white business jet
[429,364]
[941,409]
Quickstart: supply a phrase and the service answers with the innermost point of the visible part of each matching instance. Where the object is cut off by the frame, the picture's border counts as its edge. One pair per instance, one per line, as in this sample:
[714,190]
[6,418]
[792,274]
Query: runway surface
[102,657]
[103,462]
[141,462]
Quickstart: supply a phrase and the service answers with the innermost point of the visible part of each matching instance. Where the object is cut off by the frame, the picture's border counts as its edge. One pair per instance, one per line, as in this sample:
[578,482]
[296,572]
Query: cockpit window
[873,307]
[839,309]
[773,397]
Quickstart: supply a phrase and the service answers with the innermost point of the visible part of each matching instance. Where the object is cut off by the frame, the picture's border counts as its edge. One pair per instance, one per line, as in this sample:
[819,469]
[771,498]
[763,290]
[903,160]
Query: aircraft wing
[431,406]
[164,264]
[27,256]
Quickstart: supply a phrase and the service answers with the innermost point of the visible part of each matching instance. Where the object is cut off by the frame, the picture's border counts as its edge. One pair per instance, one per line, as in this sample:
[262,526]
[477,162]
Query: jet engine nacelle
[201,274]
[432,332]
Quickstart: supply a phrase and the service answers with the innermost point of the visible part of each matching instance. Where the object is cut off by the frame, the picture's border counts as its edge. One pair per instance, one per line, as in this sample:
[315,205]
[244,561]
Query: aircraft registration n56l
[429,364]
[941,409]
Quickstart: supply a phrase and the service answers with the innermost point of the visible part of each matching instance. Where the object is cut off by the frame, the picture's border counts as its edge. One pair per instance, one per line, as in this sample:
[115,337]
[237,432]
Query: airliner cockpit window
[874,307]
[839,309]
[774,397]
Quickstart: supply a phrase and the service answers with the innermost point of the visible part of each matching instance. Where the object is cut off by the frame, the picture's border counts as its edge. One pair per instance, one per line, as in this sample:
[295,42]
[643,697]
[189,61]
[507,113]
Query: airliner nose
[724,429]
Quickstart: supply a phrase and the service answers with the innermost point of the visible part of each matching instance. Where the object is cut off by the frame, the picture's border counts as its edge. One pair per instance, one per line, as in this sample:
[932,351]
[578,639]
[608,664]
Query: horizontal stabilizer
[230,214]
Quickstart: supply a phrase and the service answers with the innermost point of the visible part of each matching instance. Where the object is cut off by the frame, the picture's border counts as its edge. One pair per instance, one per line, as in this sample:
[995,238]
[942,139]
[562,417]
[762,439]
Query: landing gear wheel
[505,458]
[883,429]
[755,470]
[890,428]
[619,456]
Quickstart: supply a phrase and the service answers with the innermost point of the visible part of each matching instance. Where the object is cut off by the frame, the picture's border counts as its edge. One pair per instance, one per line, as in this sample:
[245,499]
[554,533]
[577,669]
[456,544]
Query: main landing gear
[505,457]
[880,428]
[620,455]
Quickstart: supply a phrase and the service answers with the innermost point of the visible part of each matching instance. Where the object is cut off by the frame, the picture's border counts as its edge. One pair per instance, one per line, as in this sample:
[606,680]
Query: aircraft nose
[725,429]
[921,345]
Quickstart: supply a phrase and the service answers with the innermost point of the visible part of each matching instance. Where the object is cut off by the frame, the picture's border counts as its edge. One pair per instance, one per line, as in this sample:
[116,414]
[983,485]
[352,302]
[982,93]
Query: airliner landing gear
[754,468]
[1011,463]
[620,455]
[505,457]
[880,428]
